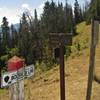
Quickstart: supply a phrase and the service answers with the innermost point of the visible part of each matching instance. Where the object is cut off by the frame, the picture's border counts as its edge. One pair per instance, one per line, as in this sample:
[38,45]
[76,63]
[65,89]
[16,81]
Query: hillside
[45,86]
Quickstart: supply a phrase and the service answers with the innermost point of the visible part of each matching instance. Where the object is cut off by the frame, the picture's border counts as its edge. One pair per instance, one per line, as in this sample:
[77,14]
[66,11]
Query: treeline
[92,9]
[30,40]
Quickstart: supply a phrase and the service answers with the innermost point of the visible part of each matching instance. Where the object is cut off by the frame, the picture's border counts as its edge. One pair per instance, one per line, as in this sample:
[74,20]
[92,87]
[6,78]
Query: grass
[2,91]
[4,94]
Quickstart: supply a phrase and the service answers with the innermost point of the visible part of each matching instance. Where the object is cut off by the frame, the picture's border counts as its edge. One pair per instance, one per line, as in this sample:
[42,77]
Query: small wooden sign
[56,39]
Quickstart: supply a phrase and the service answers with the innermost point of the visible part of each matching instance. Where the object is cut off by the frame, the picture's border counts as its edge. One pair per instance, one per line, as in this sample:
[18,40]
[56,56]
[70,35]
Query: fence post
[94,41]
[62,73]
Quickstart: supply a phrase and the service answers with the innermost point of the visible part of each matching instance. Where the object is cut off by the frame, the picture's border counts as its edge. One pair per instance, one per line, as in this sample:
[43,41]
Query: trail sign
[10,78]
[59,40]
[56,39]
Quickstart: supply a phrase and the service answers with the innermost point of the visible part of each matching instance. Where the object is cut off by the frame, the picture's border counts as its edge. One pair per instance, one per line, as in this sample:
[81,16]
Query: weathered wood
[94,41]
[16,91]
[13,93]
[21,90]
[56,38]
[96,32]
[62,73]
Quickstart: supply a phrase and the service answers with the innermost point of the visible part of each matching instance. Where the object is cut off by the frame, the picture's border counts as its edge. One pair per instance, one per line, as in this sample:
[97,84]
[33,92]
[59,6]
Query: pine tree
[37,37]
[66,16]
[14,35]
[60,18]
[36,23]
[6,34]
[49,17]
[85,10]
[77,14]
[28,41]
[95,7]
[45,18]
[53,17]
[35,17]
[25,38]
[69,19]
[93,10]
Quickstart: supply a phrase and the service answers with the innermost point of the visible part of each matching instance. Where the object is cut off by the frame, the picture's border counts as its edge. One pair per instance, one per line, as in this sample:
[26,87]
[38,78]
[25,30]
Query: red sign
[15,63]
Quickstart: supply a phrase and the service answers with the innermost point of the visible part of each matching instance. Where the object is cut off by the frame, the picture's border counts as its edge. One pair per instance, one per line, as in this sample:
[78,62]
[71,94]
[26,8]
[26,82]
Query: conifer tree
[14,36]
[93,10]
[77,14]
[60,18]
[6,34]
[25,39]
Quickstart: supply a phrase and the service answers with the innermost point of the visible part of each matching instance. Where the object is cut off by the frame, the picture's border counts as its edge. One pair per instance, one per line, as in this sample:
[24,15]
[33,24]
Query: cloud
[40,9]
[11,14]
[0,8]
[41,6]
[25,6]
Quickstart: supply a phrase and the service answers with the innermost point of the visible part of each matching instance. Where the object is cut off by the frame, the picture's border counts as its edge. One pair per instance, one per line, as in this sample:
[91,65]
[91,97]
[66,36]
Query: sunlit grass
[2,91]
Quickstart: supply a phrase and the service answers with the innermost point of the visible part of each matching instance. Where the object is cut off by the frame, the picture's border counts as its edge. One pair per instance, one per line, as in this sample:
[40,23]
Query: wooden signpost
[14,78]
[94,41]
[60,40]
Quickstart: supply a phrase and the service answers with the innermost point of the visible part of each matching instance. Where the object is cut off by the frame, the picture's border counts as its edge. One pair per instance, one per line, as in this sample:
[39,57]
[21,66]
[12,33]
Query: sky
[13,9]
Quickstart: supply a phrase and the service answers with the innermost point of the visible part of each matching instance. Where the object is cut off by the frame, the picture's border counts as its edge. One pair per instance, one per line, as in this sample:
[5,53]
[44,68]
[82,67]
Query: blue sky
[13,9]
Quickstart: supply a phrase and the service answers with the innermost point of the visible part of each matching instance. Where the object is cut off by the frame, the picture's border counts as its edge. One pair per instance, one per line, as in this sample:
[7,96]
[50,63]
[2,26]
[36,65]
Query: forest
[29,39]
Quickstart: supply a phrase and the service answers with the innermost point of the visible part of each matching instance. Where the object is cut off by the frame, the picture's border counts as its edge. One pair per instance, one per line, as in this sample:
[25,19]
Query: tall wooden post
[62,73]
[94,40]
[60,40]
